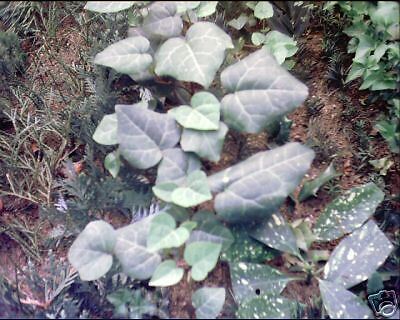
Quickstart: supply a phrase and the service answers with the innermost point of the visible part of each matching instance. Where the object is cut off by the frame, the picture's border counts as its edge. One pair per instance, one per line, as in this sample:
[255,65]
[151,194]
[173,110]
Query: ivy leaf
[239,22]
[163,233]
[260,91]
[310,188]
[257,38]
[108,6]
[206,144]
[358,255]
[136,260]
[268,307]
[208,302]
[197,57]
[280,45]
[176,165]
[202,257]
[183,6]
[163,21]
[164,190]
[250,280]
[167,274]
[348,212]
[91,252]
[341,303]
[263,10]
[106,131]
[202,115]
[245,248]
[143,134]
[128,56]
[194,192]
[112,163]
[277,234]
[256,187]
[206,8]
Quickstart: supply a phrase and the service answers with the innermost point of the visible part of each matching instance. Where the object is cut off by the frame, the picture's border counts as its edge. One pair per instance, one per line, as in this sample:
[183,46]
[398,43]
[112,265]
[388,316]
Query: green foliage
[208,302]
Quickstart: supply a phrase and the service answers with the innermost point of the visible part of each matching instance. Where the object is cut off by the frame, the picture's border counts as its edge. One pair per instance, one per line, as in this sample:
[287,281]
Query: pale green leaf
[206,8]
[112,163]
[108,6]
[106,131]
[167,274]
[280,45]
[263,10]
[208,302]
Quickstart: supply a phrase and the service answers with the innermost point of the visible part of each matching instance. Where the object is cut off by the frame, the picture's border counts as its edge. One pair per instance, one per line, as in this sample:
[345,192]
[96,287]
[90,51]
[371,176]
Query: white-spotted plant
[193,105]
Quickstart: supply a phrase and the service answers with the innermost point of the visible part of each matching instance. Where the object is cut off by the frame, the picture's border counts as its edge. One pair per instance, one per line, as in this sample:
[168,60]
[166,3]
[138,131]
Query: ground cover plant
[201,170]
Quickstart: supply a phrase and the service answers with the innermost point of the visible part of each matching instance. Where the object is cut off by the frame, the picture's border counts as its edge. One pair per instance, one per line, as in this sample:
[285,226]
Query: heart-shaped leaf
[128,56]
[260,93]
[208,302]
[341,303]
[206,8]
[91,252]
[280,45]
[202,115]
[206,144]
[255,188]
[268,307]
[167,274]
[263,10]
[106,131]
[108,6]
[136,260]
[193,192]
[112,163]
[202,257]
[310,188]
[163,21]
[195,58]
[249,280]
[277,234]
[143,134]
[163,233]
[357,256]
[176,165]
[348,212]
[183,6]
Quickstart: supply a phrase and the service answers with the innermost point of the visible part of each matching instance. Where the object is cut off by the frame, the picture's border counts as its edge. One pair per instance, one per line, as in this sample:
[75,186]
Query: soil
[321,121]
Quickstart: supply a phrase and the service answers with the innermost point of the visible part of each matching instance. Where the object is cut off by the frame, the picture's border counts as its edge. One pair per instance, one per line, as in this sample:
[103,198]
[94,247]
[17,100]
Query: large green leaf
[277,234]
[176,165]
[106,131]
[310,188]
[202,115]
[128,56]
[91,252]
[164,234]
[195,58]
[341,303]
[193,192]
[208,302]
[255,188]
[108,6]
[268,307]
[263,10]
[245,248]
[136,260]
[206,144]
[163,21]
[202,257]
[348,212]
[386,13]
[250,280]
[143,134]
[260,93]
[167,274]
[280,45]
[358,255]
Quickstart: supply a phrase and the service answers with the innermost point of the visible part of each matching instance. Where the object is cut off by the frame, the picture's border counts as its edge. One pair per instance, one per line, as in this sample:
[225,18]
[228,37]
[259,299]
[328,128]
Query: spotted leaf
[255,188]
[348,212]
[268,307]
[250,280]
[277,234]
[357,256]
[260,92]
[195,58]
[341,303]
